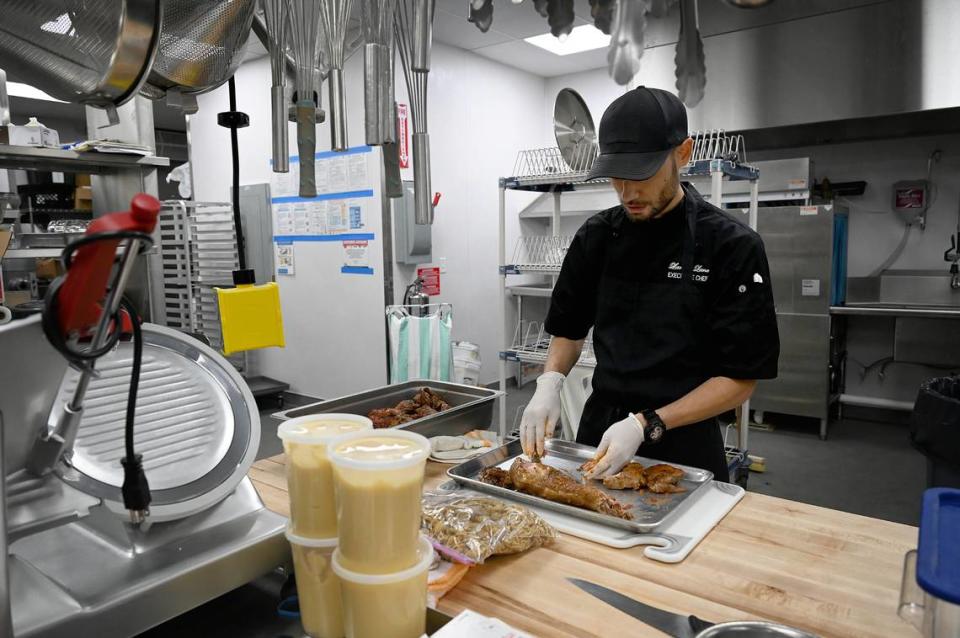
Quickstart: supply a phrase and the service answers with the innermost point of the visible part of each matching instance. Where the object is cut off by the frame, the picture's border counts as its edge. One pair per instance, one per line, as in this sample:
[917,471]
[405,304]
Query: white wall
[480,114]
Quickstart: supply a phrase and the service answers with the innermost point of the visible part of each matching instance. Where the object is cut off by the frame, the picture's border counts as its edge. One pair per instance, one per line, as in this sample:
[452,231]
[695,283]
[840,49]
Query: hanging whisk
[414,26]
[303,16]
[274,12]
[334,15]
[378,70]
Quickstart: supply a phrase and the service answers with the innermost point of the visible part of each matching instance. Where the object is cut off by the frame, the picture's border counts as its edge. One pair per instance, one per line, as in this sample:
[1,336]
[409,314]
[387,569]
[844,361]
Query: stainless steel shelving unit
[118,176]
[544,171]
[59,160]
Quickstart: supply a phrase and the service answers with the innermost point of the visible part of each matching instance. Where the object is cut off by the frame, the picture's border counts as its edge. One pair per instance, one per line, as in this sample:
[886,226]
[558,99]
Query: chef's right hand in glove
[542,413]
[618,445]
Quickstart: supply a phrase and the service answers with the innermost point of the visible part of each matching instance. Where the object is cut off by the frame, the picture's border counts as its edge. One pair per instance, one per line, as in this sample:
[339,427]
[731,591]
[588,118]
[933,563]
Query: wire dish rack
[549,164]
[716,144]
[531,343]
[539,253]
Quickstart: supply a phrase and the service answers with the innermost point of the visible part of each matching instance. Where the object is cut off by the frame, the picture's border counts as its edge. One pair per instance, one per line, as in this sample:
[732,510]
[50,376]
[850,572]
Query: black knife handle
[698,624]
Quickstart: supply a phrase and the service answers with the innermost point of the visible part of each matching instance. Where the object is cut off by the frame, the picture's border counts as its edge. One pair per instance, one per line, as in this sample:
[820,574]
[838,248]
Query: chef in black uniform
[677,293]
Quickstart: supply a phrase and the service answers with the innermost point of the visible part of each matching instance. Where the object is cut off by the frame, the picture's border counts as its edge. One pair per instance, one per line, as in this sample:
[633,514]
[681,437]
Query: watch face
[656,432]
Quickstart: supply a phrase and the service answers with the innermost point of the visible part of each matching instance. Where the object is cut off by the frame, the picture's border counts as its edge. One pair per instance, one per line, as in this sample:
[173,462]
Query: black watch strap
[655,427]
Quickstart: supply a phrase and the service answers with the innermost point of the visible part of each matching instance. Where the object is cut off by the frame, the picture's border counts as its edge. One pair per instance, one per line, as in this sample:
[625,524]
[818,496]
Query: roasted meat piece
[388,417]
[424,403]
[422,411]
[407,406]
[659,479]
[497,476]
[384,417]
[631,477]
[550,483]
[663,479]
[426,396]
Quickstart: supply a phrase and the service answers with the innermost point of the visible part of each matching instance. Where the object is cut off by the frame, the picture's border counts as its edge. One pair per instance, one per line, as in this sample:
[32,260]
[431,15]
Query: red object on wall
[431,280]
[403,129]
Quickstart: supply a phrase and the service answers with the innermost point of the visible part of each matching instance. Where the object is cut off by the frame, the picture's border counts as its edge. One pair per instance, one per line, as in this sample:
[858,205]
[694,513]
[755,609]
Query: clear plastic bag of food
[477,527]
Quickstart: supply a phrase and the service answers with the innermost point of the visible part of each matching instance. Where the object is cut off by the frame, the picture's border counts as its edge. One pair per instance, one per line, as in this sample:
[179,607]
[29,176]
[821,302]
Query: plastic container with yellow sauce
[378,478]
[318,587]
[394,605]
[313,512]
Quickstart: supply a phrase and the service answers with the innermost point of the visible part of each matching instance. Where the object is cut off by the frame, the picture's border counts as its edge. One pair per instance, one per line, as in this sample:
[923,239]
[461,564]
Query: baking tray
[649,510]
[471,407]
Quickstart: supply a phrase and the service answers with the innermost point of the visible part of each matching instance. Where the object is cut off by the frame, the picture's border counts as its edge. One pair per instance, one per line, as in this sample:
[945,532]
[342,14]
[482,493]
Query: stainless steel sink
[904,289]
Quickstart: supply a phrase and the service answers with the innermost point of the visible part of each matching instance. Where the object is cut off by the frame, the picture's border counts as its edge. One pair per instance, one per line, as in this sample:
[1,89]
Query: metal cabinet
[804,250]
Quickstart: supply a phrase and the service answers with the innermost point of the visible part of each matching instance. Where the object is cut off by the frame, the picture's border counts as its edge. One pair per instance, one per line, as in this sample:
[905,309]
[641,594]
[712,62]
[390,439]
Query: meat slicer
[76,561]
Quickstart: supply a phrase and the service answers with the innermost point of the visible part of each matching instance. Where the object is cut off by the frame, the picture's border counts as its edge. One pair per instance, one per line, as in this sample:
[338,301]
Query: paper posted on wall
[356,253]
[285,259]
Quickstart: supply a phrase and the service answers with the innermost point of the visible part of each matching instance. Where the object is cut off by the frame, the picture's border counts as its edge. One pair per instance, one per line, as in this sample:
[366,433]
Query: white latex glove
[542,413]
[618,445]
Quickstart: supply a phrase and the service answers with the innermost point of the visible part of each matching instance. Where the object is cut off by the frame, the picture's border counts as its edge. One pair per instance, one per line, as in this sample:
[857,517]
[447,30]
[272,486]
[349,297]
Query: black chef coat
[672,301]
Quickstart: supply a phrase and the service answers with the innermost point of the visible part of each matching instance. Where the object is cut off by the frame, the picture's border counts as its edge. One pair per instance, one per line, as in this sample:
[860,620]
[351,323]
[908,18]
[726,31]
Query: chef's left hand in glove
[618,445]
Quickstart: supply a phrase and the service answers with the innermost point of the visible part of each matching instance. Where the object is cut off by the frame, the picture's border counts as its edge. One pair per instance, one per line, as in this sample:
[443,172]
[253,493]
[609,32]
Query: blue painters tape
[293,199]
[355,150]
[289,239]
[356,270]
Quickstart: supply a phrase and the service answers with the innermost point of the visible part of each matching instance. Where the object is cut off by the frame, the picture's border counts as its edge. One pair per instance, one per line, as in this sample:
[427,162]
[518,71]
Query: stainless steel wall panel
[802,384]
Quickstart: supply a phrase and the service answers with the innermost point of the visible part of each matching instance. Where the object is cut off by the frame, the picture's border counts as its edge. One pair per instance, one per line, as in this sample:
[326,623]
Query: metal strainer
[201,45]
[92,51]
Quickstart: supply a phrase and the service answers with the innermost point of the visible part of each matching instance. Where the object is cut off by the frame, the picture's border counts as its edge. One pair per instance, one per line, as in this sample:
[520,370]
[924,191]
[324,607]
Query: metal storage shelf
[525,269]
[32,253]
[59,160]
[532,290]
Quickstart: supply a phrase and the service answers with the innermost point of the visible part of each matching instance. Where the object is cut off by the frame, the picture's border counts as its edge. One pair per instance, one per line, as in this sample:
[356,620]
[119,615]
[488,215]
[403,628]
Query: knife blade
[669,623]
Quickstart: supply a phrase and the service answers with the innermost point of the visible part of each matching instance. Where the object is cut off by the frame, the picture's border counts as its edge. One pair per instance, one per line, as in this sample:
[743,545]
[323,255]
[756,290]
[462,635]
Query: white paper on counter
[470,624]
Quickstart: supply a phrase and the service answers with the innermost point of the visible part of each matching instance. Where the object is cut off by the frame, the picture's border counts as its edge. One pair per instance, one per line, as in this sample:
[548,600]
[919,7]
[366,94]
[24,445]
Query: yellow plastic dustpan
[250,316]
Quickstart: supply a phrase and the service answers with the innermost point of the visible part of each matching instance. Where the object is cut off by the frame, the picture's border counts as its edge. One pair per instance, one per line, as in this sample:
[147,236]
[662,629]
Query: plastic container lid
[325,427]
[938,553]
[426,559]
[303,541]
[380,450]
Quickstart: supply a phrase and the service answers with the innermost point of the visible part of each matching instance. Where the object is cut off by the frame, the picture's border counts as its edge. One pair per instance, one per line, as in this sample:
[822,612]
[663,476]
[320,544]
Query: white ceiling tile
[456,31]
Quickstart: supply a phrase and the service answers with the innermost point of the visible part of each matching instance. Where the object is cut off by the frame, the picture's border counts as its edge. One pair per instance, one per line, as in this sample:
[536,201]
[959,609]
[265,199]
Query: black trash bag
[935,422]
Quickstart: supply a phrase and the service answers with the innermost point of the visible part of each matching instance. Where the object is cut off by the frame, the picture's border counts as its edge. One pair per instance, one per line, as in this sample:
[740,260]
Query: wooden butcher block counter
[829,572]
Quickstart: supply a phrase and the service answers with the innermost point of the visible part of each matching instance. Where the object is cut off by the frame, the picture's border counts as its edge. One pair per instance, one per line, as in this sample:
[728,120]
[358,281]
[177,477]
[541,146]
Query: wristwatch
[655,428]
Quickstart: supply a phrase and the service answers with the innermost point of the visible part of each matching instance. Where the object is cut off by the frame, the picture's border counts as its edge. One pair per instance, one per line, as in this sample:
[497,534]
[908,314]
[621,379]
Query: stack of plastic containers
[381,559]
[312,531]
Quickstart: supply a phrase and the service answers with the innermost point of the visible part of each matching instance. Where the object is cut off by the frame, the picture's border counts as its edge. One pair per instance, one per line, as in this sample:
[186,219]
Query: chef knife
[669,623]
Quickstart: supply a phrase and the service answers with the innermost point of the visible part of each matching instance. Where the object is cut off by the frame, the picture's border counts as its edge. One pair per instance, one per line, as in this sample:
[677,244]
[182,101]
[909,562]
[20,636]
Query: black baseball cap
[637,132]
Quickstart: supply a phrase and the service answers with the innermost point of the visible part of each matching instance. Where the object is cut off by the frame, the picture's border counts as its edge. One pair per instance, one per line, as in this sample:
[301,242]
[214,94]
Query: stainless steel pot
[752,629]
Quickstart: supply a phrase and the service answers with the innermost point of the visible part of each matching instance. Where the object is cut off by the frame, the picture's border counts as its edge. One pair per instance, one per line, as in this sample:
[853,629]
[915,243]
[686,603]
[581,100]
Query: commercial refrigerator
[806,249]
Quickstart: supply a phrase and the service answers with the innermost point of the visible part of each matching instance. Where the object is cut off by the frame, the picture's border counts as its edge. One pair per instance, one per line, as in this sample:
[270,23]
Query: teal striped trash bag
[420,347]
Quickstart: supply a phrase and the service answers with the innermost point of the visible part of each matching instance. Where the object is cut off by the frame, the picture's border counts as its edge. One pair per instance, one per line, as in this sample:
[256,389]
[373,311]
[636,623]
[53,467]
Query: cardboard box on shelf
[14,298]
[5,236]
[49,268]
[83,198]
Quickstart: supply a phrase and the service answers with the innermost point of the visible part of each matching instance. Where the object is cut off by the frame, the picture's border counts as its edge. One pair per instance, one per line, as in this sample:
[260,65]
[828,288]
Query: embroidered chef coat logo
[757,279]
[700,272]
